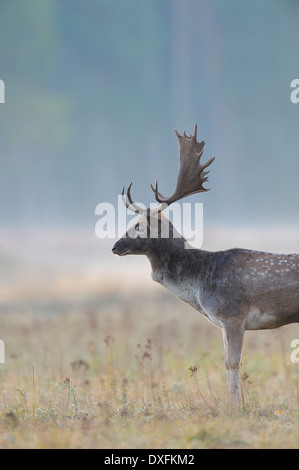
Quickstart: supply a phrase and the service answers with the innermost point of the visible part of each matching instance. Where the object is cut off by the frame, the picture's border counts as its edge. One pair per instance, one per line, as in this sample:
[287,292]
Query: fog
[93,91]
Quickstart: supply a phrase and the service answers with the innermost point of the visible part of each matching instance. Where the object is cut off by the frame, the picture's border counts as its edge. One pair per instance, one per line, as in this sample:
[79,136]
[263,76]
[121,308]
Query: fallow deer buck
[236,289]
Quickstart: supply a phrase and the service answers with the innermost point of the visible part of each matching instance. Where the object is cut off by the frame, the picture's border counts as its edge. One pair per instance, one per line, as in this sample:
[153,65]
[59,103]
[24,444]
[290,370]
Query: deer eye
[139,228]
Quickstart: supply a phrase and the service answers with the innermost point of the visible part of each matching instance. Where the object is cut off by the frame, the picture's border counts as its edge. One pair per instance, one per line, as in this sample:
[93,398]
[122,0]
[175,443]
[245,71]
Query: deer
[235,289]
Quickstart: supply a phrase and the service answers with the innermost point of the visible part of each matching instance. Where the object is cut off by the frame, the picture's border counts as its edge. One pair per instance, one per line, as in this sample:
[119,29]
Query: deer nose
[114,249]
[117,248]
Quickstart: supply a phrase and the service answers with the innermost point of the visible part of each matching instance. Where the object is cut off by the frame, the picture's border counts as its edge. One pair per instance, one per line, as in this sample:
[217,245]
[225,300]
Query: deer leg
[233,340]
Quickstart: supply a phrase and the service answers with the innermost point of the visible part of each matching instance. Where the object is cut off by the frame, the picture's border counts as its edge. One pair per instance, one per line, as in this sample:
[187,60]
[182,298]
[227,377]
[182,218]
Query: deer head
[153,225]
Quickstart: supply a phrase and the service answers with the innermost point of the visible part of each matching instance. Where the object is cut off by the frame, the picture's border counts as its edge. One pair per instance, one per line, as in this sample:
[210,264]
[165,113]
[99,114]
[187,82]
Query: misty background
[93,91]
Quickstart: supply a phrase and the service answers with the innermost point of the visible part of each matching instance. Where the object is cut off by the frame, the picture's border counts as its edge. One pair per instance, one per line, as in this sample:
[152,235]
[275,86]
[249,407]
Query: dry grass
[119,371]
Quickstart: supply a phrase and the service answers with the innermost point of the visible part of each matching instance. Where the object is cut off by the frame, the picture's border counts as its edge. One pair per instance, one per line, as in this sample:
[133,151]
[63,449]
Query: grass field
[117,367]
[120,374]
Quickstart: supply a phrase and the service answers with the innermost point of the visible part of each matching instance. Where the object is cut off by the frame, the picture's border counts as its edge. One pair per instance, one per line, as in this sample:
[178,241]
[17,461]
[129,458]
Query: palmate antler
[190,178]
[191,175]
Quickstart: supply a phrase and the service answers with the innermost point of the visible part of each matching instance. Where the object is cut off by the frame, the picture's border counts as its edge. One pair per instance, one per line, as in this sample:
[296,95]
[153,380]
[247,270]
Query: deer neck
[176,268]
[162,255]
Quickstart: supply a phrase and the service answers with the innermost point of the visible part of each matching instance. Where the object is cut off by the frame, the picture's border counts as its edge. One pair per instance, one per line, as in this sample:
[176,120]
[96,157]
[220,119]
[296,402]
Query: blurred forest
[94,89]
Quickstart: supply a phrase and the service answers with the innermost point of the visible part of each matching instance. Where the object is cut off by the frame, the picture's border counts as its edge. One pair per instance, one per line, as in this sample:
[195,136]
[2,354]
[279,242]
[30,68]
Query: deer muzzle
[120,248]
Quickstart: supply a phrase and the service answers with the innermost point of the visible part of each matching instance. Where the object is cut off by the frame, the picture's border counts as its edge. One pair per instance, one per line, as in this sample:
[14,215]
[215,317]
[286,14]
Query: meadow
[105,365]
[141,373]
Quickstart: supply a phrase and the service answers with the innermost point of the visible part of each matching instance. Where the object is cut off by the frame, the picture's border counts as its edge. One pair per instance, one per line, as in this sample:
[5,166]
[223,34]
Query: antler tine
[191,175]
[205,165]
[155,189]
[194,136]
[129,193]
[158,196]
[132,206]
[162,205]
[124,198]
